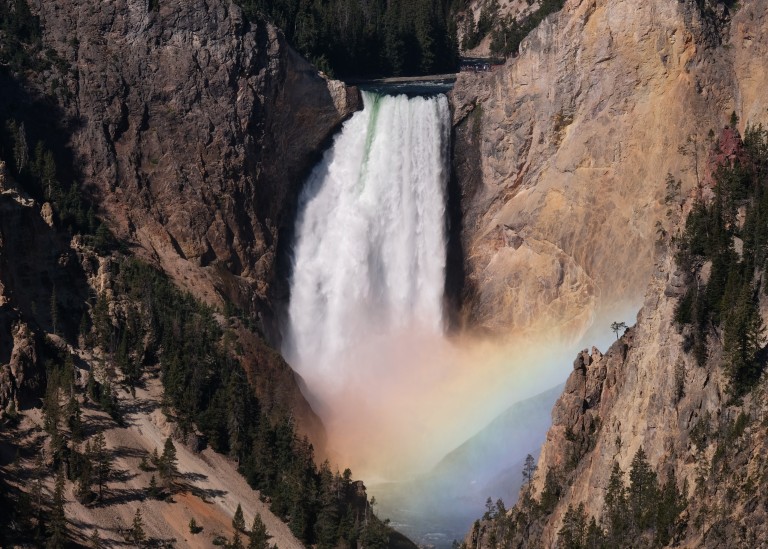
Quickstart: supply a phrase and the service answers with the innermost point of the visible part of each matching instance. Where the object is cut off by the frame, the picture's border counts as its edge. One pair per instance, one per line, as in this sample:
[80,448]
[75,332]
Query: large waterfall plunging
[370,243]
[365,326]
[369,259]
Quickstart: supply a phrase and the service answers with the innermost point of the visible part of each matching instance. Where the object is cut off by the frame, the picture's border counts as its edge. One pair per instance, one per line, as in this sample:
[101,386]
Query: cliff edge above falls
[194,129]
[561,156]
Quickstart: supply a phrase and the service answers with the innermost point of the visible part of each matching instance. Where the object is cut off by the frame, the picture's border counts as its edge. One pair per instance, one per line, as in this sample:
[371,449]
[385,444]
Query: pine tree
[236,411]
[327,522]
[52,413]
[595,537]
[488,515]
[574,530]
[74,419]
[374,534]
[643,491]
[101,460]
[258,537]
[617,327]
[58,523]
[20,149]
[84,331]
[744,334]
[616,514]
[137,534]
[91,389]
[102,322]
[168,464]
[237,543]
[550,495]
[48,176]
[153,490]
[529,469]
[85,478]
[671,503]
[238,521]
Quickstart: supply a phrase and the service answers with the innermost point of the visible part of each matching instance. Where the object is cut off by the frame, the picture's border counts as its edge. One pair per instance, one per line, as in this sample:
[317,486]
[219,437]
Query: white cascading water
[365,326]
[370,249]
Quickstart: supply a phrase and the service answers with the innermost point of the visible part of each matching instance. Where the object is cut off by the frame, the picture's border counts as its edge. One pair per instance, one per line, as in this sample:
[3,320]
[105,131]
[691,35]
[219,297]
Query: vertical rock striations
[562,155]
[194,129]
[689,415]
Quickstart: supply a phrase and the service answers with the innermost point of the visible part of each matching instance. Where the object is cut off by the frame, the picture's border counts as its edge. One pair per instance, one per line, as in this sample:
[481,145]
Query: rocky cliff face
[649,391]
[644,392]
[562,154]
[649,394]
[193,128]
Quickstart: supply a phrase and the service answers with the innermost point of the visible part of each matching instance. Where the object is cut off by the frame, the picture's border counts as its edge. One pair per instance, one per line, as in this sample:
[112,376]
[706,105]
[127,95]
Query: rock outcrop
[193,128]
[644,392]
[562,155]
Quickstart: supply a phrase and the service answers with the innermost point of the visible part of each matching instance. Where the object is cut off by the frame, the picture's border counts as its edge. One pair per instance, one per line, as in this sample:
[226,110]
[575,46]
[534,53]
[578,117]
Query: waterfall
[370,248]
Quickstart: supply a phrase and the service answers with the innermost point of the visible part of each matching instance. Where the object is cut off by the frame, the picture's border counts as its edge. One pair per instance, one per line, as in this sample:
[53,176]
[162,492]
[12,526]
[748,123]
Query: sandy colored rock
[46,212]
[569,145]
[208,488]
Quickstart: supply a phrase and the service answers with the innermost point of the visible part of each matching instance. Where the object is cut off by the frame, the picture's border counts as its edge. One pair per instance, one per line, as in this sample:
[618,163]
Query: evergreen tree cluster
[474,32]
[506,32]
[367,37]
[31,515]
[643,513]
[728,303]
[87,463]
[207,388]
[35,169]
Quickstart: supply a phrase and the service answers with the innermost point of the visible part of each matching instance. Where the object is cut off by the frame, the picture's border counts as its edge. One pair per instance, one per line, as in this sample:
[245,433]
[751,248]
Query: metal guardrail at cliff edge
[466,64]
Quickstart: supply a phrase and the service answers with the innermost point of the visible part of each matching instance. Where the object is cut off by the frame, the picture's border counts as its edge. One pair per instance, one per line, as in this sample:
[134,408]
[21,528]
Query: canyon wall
[194,129]
[606,170]
[191,131]
[561,156]
[647,393]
